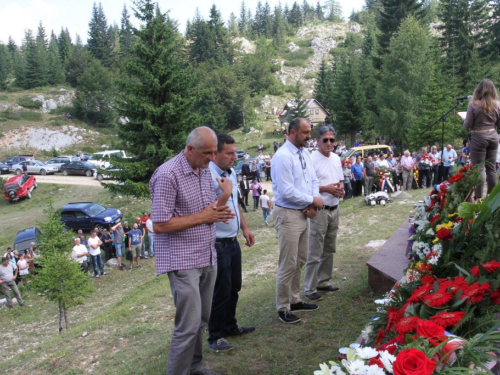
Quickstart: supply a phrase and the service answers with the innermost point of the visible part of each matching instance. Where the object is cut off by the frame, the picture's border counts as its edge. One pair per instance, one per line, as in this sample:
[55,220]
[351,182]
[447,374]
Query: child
[267,205]
[347,179]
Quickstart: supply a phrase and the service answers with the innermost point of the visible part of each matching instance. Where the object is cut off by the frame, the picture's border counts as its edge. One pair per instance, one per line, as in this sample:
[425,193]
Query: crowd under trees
[404,69]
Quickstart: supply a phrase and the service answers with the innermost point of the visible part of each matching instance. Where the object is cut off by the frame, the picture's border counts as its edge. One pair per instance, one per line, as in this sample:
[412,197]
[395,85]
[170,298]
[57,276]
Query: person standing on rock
[184,211]
[325,225]
[296,199]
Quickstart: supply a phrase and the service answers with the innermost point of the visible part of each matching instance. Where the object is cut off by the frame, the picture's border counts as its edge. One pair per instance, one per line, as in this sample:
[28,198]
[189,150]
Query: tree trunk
[61,317]
[66,316]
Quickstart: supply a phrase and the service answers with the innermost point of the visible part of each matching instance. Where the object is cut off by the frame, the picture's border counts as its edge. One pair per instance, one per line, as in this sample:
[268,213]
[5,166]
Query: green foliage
[4,97]
[98,42]
[60,279]
[31,116]
[298,58]
[26,102]
[300,109]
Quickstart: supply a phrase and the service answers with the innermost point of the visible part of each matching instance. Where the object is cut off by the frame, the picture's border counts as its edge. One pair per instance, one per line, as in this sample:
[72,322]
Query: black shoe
[302,306]
[205,372]
[240,330]
[328,288]
[221,345]
[288,317]
[314,297]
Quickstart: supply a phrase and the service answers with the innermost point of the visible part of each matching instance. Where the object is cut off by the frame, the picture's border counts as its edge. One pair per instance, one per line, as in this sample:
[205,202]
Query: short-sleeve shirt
[78,250]
[119,233]
[176,191]
[369,169]
[7,273]
[329,171]
[135,236]
[94,241]
[264,201]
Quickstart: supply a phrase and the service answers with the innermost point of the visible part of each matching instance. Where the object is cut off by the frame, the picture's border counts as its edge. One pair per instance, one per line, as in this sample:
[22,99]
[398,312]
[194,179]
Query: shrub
[26,102]
[298,58]
[31,116]
[304,43]
[4,97]
[310,75]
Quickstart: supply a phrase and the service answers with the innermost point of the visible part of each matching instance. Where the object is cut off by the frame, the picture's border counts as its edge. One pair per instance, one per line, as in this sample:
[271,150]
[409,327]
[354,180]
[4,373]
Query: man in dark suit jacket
[244,186]
[245,169]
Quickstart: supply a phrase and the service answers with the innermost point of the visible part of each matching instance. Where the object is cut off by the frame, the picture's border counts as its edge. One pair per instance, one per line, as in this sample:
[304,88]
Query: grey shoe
[221,345]
[314,297]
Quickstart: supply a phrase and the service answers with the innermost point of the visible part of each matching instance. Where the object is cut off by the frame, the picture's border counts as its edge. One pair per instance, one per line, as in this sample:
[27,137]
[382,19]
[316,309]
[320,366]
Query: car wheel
[99,177]
[65,172]
[43,172]
[88,173]
[100,227]
[35,186]
[18,171]
[28,195]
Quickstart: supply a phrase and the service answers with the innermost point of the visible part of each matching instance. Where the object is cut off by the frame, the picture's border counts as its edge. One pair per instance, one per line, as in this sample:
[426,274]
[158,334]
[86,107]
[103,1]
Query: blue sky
[18,15]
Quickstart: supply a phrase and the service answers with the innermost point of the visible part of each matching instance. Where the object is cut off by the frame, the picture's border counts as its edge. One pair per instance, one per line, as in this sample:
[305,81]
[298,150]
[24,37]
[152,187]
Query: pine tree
[35,72]
[322,85]
[334,11]
[232,25]
[59,278]
[279,28]
[405,74]
[64,45]
[126,33]
[242,21]
[54,65]
[158,98]
[320,15]
[4,66]
[98,42]
[95,95]
[300,108]
[76,64]
[393,12]
[295,16]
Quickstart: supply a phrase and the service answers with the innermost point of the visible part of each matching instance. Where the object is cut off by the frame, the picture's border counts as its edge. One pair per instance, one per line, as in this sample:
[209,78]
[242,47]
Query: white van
[102,159]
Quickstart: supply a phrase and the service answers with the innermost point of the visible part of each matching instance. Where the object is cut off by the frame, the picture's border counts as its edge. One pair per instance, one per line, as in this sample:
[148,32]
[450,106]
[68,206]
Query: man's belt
[483,131]
[295,209]
[330,208]
[226,240]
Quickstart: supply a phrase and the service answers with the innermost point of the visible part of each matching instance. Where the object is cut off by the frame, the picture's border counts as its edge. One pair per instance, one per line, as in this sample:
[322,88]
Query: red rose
[413,362]
[444,234]
[431,331]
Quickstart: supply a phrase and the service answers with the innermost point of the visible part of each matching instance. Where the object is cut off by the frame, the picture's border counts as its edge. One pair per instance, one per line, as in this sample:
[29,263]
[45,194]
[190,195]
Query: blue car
[88,215]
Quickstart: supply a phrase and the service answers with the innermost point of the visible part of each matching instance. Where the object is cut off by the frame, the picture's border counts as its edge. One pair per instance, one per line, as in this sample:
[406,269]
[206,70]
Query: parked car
[239,165]
[78,167]
[102,159]
[18,159]
[34,167]
[4,168]
[101,173]
[365,151]
[25,237]
[18,187]
[240,154]
[88,215]
[61,160]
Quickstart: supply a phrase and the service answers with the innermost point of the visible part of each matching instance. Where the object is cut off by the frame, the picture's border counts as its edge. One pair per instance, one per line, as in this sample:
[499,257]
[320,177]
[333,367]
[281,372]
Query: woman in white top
[23,266]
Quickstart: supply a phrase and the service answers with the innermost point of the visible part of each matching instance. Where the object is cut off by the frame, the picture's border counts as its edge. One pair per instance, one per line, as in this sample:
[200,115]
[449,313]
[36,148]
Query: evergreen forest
[398,75]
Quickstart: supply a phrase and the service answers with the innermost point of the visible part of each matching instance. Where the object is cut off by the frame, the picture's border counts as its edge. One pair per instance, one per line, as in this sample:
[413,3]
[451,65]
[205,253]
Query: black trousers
[226,289]
[424,173]
[357,188]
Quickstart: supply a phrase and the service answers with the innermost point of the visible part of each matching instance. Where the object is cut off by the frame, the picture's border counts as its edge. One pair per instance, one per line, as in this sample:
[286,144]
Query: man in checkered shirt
[184,211]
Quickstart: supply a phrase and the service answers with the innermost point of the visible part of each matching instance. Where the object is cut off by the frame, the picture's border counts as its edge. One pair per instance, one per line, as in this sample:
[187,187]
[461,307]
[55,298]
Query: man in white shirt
[325,225]
[449,158]
[95,243]
[381,162]
[79,254]
[436,162]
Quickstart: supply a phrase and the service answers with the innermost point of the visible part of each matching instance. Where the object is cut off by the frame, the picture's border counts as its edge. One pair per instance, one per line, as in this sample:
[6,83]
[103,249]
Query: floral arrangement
[383,178]
[442,317]
[425,162]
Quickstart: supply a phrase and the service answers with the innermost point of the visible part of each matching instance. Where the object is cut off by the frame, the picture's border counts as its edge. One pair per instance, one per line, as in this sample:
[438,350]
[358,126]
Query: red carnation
[476,291]
[495,296]
[376,362]
[444,234]
[438,298]
[434,220]
[446,319]
[380,336]
[455,178]
[408,324]
[419,293]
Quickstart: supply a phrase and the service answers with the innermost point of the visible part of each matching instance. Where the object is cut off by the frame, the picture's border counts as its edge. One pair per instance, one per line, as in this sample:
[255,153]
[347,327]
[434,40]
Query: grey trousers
[368,185]
[322,246]
[483,149]
[192,291]
[293,236]
[5,290]
[407,179]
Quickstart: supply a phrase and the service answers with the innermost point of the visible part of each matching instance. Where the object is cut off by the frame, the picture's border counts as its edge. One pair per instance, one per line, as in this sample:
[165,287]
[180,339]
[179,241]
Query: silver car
[34,167]
[58,161]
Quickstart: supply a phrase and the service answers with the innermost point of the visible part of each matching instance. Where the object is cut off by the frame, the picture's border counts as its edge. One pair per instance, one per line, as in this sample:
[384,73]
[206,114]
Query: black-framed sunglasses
[325,140]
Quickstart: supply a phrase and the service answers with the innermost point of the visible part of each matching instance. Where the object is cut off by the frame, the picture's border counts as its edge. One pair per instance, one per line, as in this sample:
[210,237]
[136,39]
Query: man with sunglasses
[296,198]
[325,225]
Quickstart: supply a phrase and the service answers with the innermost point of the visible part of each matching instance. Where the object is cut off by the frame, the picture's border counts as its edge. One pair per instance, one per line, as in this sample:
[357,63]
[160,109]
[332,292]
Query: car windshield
[94,209]
[40,163]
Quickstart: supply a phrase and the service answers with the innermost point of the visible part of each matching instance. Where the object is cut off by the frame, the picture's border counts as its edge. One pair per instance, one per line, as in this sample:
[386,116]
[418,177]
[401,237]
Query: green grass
[298,58]
[129,319]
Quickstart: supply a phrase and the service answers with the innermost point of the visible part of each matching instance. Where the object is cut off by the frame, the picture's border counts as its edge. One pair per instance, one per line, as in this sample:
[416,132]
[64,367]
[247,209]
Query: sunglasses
[325,140]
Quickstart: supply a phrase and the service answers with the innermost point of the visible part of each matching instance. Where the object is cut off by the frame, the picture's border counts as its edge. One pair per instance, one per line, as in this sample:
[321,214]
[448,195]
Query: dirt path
[67,180]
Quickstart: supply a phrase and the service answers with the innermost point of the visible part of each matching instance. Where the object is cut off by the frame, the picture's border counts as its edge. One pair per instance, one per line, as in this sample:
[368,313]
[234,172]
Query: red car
[18,187]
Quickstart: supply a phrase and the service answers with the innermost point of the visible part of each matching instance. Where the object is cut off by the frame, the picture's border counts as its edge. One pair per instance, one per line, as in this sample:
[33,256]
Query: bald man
[184,212]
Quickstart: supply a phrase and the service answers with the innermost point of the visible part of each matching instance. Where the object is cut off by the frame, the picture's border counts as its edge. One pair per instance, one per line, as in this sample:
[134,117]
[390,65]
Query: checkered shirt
[177,191]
